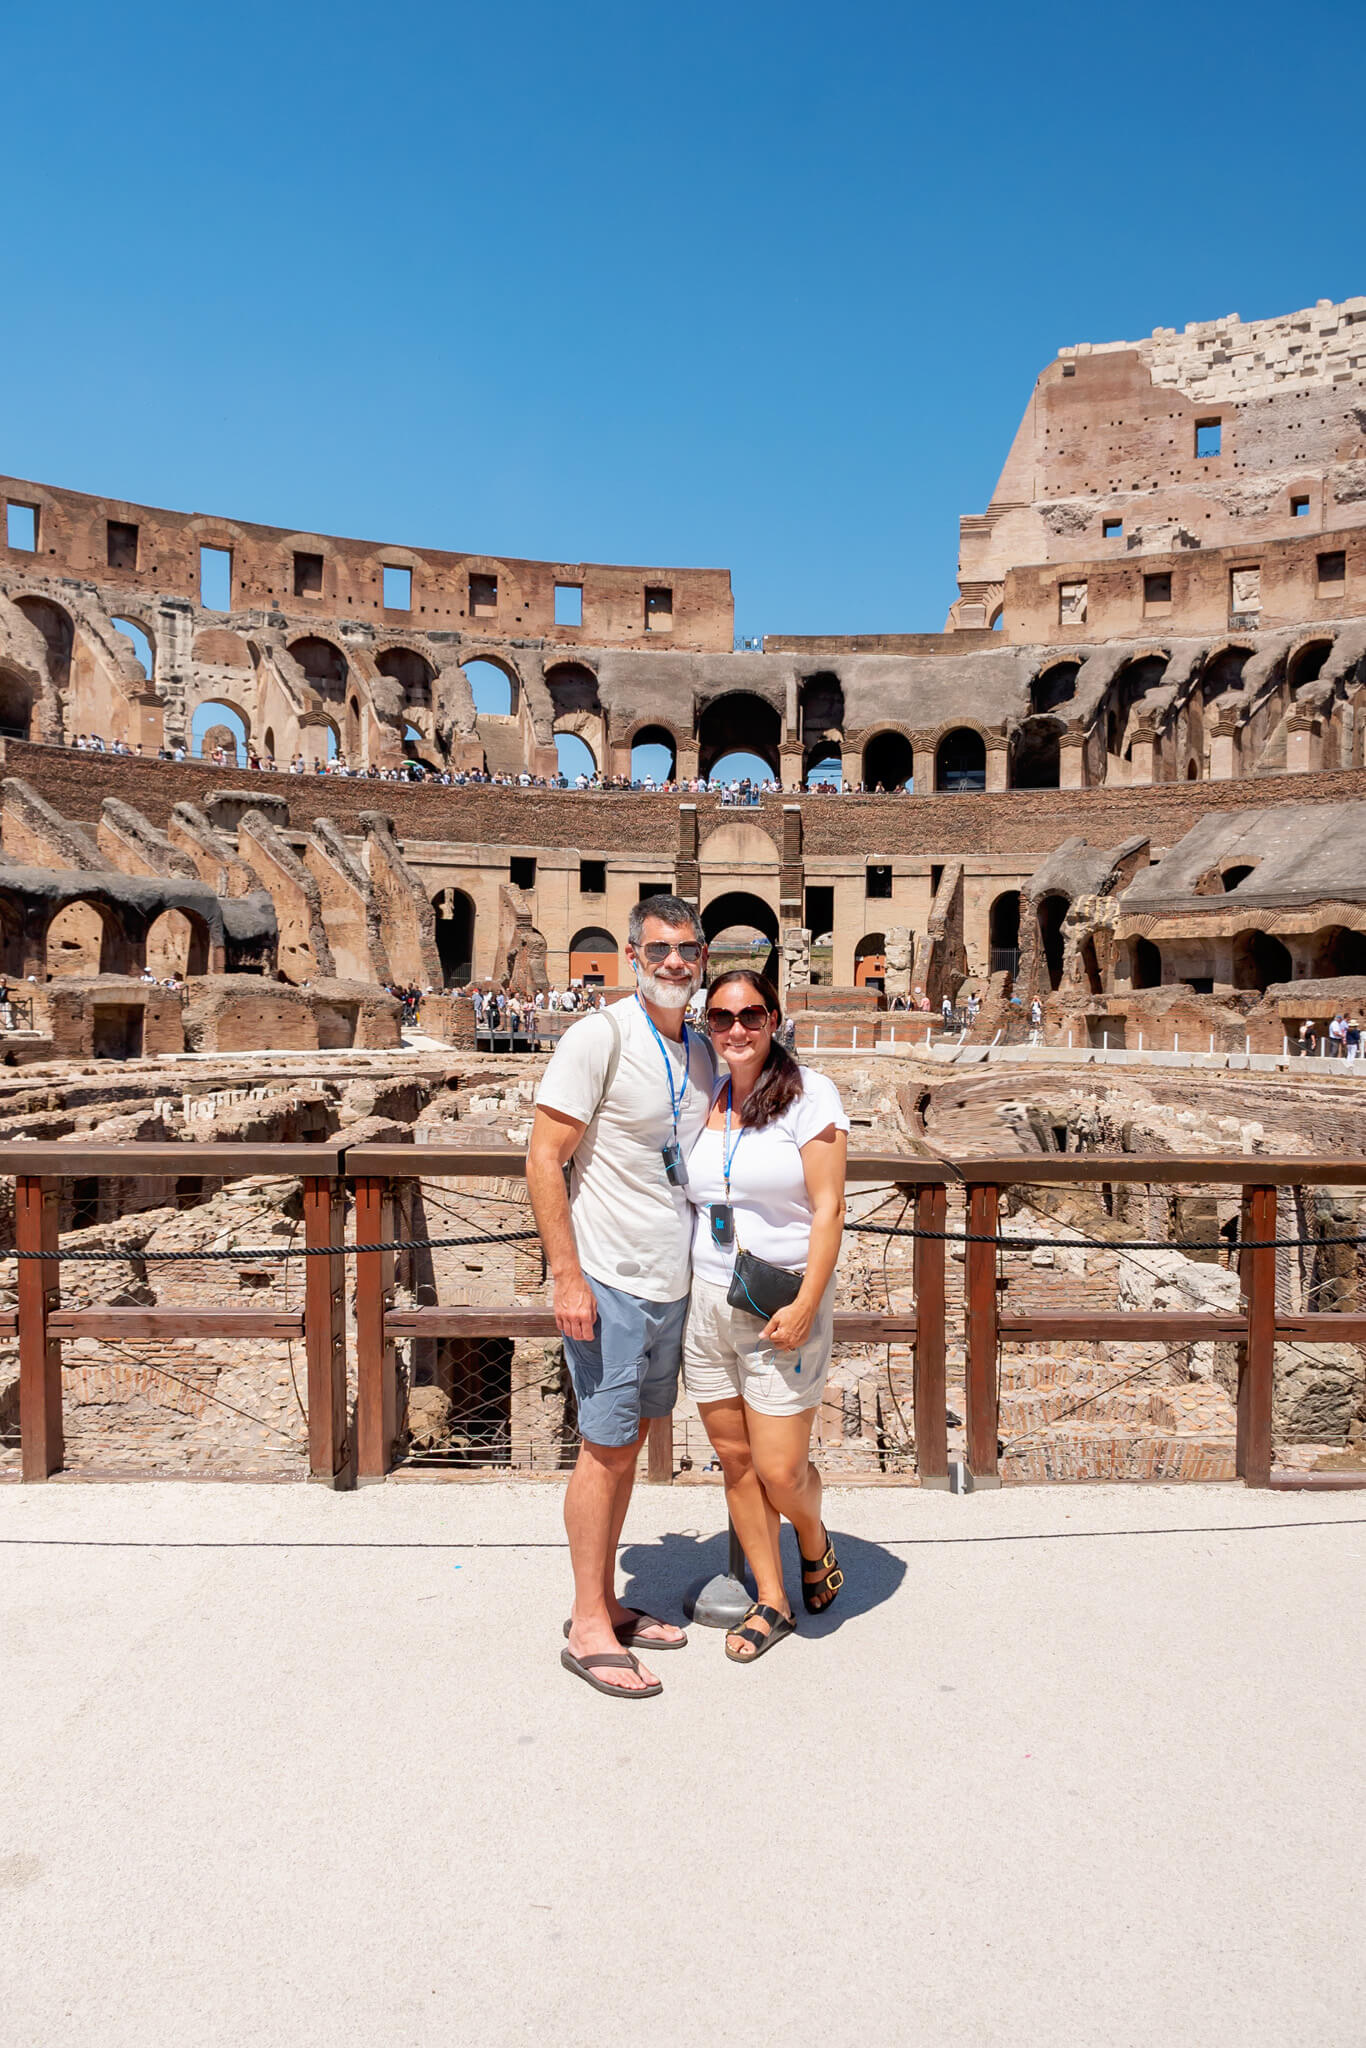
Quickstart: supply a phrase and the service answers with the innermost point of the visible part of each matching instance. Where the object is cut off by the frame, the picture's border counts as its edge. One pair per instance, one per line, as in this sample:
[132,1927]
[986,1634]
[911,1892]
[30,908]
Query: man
[622,1101]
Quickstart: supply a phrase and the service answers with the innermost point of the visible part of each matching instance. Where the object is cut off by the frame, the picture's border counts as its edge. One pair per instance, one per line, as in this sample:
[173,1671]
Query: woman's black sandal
[779,1625]
[830,1580]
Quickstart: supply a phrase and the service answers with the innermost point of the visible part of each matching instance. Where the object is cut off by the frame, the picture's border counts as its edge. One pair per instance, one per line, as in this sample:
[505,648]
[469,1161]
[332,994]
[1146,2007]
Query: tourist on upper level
[624,1096]
[766,1180]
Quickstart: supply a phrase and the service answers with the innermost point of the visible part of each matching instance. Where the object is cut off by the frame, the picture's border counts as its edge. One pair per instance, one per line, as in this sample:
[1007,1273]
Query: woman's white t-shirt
[767,1184]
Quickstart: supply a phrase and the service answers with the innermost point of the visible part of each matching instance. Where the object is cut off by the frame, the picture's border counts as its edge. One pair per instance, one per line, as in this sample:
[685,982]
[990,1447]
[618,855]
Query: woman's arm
[823,1163]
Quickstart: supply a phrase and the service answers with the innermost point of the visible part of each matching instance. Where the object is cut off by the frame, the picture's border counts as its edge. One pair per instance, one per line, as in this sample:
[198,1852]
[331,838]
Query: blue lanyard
[728,1151]
[675,1101]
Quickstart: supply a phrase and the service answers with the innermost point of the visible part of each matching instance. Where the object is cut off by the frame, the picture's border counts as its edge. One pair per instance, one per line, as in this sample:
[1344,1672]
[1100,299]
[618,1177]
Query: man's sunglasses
[657,952]
[752,1018]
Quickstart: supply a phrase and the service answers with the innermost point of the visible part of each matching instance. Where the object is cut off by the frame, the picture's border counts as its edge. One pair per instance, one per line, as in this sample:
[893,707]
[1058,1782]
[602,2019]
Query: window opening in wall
[483,595]
[21,527]
[1299,508]
[936,877]
[398,589]
[575,758]
[659,608]
[215,579]
[491,688]
[1111,529]
[568,604]
[644,890]
[592,878]
[142,646]
[1209,437]
[1071,604]
[215,725]
[1157,590]
[1333,567]
[308,575]
[1244,592]
[877,881]
[820,910]
[522,870]
[120,544]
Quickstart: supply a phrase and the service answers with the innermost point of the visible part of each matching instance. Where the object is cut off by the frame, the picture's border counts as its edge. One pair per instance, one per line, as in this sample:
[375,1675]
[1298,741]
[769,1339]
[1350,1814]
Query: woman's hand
[791,1327]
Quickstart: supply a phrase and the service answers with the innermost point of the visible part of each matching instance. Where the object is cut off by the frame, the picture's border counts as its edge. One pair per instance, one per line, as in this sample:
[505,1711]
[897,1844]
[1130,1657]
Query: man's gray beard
[670,995]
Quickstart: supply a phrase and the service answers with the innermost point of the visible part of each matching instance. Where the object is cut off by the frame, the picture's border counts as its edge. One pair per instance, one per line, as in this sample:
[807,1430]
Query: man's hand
[576,1307]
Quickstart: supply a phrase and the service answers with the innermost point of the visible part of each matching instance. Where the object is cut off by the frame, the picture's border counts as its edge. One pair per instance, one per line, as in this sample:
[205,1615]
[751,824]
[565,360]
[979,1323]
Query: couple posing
[699,1226]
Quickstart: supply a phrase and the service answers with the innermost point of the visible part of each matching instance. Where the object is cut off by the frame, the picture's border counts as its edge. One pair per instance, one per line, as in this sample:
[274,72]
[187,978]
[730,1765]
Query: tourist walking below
[622,1100]
[766,1180]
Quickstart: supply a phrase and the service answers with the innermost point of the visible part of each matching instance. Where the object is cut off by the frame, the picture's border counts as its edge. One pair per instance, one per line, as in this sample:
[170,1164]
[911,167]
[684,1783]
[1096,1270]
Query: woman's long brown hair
[780,1078]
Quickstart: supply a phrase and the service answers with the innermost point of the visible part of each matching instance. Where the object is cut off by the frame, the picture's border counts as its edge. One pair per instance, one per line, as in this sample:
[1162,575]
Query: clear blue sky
[753,285]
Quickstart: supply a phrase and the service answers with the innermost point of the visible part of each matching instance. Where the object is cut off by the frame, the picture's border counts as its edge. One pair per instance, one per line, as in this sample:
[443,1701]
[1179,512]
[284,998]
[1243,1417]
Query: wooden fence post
[329,1450]
[931,1424]
[981,1387]
[1257,1362]
[659,1450]
[40,1353]
[376,1374]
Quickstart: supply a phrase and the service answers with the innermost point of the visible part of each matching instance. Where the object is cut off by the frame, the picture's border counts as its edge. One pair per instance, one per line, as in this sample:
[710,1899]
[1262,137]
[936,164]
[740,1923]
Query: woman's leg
[756,1522]
[781,1449]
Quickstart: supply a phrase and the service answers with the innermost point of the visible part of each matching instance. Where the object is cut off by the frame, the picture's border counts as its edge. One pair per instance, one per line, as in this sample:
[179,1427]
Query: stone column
[998,761]
[1223,749]
[1142,753]
[1072,761]
[790,765]
[898,981]
[1301,743]
[795,960]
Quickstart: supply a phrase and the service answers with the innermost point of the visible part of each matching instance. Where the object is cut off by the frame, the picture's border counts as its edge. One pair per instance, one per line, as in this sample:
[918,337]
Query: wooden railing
[373,1171]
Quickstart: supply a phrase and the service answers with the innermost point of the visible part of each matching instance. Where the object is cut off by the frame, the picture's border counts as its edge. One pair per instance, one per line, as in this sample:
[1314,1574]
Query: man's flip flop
[628,1633]
[584,1667]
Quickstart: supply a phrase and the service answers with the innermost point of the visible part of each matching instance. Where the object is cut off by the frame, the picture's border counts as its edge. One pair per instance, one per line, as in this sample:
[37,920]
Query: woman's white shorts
[724,1355]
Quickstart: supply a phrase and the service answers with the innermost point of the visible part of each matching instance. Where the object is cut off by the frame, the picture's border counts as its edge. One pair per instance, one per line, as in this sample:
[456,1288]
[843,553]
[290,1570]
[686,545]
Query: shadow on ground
[660,1573]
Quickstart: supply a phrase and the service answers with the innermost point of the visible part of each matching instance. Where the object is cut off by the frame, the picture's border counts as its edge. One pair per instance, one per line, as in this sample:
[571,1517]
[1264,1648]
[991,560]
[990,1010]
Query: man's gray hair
[670,910]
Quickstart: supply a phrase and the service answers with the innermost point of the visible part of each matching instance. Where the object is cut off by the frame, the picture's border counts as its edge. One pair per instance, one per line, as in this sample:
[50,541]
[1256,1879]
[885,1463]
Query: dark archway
[593,958]
[414,676]
[870,961]
[1146,970]
[1337,951]
[57,630]
[178,943]
[1224,673]
[16,706]
[1133,682]
[1037,759]
[323,664]
[573,688]
[1005,933]
[889,761]
[1259,961]
[1306,664]
[738,724]
[454,936]
[729,920]
[654,752]
[961,761]
[821,702]
[1231,877]
[84,938]
[1057,685]
[1052,911]
[823,765]
[494,688]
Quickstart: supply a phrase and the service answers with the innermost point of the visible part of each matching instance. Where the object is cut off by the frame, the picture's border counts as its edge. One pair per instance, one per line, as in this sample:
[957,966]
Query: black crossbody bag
[760,1288]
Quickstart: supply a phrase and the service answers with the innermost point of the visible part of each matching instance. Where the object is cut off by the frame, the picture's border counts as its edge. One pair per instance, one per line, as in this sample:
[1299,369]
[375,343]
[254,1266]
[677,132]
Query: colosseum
[254,779]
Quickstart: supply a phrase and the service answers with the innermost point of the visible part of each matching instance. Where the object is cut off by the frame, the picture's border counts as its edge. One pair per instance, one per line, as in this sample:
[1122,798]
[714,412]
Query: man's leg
[595,1505]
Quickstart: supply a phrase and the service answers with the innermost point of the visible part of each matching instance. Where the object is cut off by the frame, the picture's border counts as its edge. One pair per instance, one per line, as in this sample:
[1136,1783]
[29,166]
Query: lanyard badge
[675,1167]
[722,1213]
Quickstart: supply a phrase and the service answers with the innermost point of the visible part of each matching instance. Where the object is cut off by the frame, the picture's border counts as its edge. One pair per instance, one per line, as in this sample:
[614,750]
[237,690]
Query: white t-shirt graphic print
[632,1227]
[767,1182]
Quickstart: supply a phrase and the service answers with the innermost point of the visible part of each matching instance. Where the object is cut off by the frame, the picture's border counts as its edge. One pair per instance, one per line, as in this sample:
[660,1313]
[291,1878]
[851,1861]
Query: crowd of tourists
[1342,1039]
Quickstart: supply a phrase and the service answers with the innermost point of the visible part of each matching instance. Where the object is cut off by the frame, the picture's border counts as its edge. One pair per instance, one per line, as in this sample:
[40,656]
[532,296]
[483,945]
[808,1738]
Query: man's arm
[554,1140]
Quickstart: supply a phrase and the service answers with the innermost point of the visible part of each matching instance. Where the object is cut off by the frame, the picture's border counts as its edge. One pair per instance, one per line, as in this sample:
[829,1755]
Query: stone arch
[12,925]
[1337,950]
[132,629]
[1003,926]
[85,937]
[593,958]
[481,664]
[656,735]
[738,723]
[1051,912]
[870,961]
[220,647]
[960,761]
[17,700]
[1145,964]
[455,915]
[1133,680]
[737,909]
[58,631]
[821,719]
[573,689]
[206,730]
[413,673]
[1054,685]
[1305,663]
[1222,669]
[889,759]
[324,665]
[1259,960]
[1036,755]
[575,754]
[178,943]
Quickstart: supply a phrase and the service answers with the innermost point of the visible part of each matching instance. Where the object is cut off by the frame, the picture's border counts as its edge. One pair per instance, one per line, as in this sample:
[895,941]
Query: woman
[766,1176]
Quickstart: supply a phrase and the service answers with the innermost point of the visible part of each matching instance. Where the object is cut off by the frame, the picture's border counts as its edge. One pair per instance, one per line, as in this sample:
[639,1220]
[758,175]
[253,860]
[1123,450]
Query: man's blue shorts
[627,1372]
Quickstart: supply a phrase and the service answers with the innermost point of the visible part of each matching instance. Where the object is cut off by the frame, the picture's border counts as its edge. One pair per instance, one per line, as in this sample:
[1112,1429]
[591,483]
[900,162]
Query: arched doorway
[654,754]
[1146,968]
[742,931]
[1037,761]
[1057,685]
[738,725]
[1052,911]
[493,687]
[178,943]
[1259,961]
[575,757]
[888,762]
[1004,923]
[870,961]
[821,711]
[82,941]
[141,644]
[454,936]
[823,765]
[961,762]
[593,958]
[1337,951]
[57,630]
[414,676]
[16,706]
[216,725]
[324,666]
[573,689]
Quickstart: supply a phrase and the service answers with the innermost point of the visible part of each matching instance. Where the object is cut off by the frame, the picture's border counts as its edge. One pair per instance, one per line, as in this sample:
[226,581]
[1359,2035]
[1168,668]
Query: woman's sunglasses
[657,952]
[752,1018]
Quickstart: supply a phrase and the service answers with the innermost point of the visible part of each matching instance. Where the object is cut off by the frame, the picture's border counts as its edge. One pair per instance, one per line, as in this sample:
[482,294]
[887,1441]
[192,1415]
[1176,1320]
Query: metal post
[815,1036]
[723,1600]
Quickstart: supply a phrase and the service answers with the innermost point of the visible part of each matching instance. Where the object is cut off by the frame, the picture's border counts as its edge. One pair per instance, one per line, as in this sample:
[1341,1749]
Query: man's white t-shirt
[767,1182]
[632,1226]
